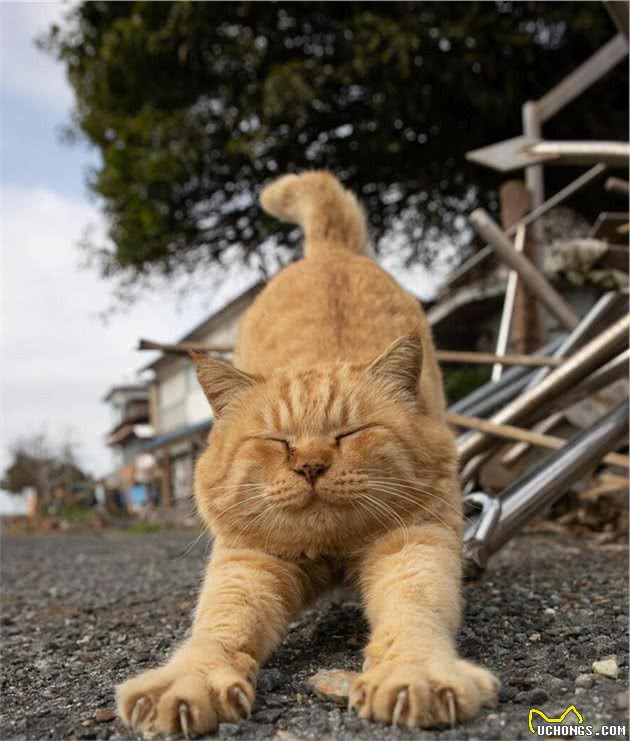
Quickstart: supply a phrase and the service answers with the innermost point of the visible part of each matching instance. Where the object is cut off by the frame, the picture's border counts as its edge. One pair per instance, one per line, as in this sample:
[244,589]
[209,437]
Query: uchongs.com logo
[570,724]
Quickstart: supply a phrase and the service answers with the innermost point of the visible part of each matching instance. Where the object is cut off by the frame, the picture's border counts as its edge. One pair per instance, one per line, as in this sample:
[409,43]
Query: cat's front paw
[187,700]
[423,695]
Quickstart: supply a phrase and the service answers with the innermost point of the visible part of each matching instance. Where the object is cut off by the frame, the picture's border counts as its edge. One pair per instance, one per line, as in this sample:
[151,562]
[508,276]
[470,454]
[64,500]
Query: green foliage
[461,380]
[192,106]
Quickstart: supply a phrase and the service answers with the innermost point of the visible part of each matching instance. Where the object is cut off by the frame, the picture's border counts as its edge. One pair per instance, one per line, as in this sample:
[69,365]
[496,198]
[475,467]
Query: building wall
[179,400]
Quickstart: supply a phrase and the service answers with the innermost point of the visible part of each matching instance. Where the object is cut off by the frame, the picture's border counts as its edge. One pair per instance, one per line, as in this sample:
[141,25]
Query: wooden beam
[615,154]
[531,277]
[525,151]
[532,216]
[510,432]
[524,330]
[617,185]
[486,358]
[445,356]
[183,347]
[582,77]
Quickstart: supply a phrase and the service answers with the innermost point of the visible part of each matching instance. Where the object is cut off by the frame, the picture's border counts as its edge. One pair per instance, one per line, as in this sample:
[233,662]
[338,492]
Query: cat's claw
[183,712]
[400,707]
[241,701]
[448,695]
[356,698]
[138,713]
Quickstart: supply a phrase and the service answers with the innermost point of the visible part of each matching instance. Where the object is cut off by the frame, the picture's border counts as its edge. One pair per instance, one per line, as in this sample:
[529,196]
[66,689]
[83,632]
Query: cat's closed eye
[353,431]
[278,440]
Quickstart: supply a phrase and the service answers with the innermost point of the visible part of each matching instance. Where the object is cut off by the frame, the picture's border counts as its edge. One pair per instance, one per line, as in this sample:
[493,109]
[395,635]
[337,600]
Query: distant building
[180,414]
[129,433]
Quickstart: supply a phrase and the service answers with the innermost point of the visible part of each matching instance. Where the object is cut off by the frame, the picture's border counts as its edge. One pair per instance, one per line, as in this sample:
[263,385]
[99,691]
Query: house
[129,432]
[180,414]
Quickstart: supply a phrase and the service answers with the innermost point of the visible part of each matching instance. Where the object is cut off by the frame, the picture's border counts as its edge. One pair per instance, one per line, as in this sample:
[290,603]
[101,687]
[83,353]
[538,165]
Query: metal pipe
[577,367]
[542,486]
[517,451]
[487,228]
[555,200]
[499,399]
[608,304]
[609,373]
[604,307]
[489,389]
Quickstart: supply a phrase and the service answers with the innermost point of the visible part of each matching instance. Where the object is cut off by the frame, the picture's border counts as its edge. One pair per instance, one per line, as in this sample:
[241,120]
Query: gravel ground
[82,612]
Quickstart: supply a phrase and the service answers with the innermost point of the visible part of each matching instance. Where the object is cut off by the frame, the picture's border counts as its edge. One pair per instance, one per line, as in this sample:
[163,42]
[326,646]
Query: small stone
[585,681]
[333,684]
[607,667]
[556,685]
[537,696]
[286,736]
[270,715]
[621,701]
[535,637]
[104,715]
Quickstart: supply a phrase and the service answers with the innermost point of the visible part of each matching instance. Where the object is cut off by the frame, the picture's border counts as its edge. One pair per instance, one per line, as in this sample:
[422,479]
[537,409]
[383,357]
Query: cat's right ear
[221,382]
[400,366]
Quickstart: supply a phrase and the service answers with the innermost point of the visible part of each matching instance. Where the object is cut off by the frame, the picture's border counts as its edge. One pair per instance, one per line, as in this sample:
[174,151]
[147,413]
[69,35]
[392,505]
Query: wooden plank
[457,356]
[552,202]
[534,175]
[582,77]
[617,185]
[445,356]
[533,278]
[183,347]
[615,154]
[525,331]
[503,156]
[524,151]
[510,432]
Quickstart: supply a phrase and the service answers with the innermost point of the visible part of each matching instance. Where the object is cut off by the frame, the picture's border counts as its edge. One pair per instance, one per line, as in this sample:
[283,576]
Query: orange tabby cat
[329,450]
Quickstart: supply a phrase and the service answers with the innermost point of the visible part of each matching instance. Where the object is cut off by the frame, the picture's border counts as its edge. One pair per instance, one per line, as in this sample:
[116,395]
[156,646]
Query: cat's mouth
[315,497]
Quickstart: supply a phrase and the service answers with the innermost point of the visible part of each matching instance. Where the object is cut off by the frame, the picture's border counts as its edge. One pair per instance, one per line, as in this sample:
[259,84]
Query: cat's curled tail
[329,214]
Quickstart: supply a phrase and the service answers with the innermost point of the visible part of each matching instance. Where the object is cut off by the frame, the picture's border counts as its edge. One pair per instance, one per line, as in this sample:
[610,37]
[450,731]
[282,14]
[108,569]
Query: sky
[58,357]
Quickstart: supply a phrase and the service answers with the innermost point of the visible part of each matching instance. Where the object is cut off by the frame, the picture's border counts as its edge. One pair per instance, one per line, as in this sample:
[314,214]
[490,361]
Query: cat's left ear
[400,366]
[221,382]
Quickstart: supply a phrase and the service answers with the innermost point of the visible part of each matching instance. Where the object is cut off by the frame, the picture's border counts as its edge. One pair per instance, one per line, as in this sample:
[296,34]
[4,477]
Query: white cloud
[27,72]
[58,358]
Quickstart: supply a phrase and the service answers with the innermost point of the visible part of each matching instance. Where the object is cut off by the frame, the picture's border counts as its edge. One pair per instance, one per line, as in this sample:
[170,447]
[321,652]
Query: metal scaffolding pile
[523,404]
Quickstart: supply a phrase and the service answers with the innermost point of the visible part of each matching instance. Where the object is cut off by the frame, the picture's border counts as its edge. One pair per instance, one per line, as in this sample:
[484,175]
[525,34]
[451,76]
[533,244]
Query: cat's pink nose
[311,471]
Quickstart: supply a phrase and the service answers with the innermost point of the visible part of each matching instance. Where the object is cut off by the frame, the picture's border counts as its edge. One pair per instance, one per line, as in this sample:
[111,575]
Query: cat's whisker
[238,487]
[272,525]
[387,510]
[191,546]
[243,502]
[374,513]
[251,523]
[412,487]
[419,504]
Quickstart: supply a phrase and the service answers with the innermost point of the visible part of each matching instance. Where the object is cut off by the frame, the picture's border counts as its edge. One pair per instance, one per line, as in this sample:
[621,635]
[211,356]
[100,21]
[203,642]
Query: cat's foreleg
[410,582]
[244,609]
